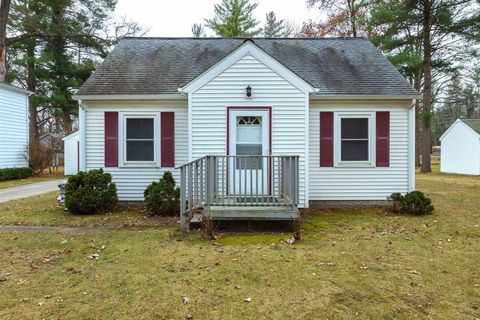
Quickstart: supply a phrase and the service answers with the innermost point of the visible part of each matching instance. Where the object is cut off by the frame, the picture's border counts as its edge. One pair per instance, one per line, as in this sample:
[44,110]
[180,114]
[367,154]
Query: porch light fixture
[248,91]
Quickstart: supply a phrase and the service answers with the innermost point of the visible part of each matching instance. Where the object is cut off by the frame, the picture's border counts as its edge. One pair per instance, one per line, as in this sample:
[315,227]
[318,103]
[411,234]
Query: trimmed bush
[90,192]
[414,202]
[162,198]
[15,173]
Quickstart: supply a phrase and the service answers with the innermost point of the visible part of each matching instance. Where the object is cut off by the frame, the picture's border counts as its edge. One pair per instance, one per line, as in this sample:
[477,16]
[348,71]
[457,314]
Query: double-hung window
[354,139]
[140,139]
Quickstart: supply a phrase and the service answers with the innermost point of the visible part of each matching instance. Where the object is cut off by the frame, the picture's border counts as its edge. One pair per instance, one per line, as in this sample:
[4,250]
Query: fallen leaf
[72,270]
[94,256]
[248,299]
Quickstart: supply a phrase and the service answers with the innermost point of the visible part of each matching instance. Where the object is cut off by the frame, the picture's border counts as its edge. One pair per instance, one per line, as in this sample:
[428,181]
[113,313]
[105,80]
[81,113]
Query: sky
[174,18]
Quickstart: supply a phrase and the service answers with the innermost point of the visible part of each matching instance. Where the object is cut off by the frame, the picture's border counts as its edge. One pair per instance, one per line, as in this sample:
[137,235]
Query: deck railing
[232,181]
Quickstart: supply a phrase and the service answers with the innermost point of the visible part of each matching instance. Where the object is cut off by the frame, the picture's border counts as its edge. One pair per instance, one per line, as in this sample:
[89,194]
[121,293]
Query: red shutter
[111,139]
[168,139]
[326,139]
[383,139]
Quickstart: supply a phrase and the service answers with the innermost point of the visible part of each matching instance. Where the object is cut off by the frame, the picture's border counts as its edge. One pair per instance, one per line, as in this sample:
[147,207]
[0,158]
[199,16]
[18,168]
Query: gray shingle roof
[349,66]
[473,123]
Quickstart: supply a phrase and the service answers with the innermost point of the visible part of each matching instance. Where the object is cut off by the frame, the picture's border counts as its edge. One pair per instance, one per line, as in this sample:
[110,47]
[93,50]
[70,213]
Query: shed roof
[10,87]
[472,123]
[334,66]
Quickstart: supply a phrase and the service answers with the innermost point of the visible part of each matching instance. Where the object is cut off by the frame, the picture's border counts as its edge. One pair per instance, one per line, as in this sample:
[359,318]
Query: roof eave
[123,97]
[318,96]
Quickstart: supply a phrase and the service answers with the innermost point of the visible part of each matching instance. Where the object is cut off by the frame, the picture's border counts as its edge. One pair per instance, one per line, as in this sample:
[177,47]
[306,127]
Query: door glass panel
[249,162]
[249,134]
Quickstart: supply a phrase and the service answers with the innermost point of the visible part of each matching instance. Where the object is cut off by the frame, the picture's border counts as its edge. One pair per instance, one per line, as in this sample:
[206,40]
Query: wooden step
[251,213]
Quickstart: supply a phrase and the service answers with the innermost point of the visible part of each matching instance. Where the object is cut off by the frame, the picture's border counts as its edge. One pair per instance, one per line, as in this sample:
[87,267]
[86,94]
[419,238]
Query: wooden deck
[239,188]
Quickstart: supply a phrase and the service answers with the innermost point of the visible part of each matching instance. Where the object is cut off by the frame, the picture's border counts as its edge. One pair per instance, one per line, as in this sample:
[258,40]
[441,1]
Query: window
[140,139]
[354,139]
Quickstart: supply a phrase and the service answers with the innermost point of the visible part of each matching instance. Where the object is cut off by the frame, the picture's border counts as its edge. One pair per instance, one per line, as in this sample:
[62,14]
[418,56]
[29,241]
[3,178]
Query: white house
[460,147]
[297,121]
[13,126]
[71,147]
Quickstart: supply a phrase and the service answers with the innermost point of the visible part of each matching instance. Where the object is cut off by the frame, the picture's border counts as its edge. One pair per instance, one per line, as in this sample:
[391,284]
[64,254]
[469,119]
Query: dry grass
[350,264]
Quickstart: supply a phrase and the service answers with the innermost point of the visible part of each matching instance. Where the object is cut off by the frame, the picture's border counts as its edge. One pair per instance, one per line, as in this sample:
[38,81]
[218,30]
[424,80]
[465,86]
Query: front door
[249,147]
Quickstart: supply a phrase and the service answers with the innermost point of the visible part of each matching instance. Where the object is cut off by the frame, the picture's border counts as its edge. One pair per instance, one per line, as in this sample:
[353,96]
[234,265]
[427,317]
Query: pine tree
[435,29]
[234,18]
[198,31]
[273,28]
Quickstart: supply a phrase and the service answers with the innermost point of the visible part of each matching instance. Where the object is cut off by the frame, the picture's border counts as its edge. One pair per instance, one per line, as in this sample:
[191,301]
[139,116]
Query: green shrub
[15,173]
[90,192]
[162,198]
[413,202]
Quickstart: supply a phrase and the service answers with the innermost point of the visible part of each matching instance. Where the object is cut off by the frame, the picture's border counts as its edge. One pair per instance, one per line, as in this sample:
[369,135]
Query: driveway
[28,190]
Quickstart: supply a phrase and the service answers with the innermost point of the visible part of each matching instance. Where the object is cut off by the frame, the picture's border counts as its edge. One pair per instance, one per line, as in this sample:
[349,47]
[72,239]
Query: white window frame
[371,139]
[123,142]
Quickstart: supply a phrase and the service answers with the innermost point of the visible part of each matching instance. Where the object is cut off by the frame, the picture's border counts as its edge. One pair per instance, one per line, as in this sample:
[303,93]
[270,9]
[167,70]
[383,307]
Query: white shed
[460,147]
[13,126]
[71,148]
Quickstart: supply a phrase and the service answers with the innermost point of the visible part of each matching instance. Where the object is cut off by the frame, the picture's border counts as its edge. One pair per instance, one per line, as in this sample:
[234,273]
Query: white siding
[131,181]
[71,153]
[13,129]
[360,183]
[460,151]
[209,111]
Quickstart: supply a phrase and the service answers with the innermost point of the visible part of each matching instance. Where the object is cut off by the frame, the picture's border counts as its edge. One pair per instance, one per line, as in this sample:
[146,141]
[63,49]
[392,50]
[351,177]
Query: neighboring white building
[13,126]
[336,104]
[71,155]
[460,147]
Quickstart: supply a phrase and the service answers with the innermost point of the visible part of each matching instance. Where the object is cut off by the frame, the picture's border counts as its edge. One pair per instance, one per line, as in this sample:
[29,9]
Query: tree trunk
[32,86]
[4,9]
[427,89]
[67,122]
[353,17]
[418,148]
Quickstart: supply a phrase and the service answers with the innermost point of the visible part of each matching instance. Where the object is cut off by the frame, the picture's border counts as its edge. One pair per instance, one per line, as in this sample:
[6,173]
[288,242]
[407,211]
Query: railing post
[208,180]
[190,191]
[183,225]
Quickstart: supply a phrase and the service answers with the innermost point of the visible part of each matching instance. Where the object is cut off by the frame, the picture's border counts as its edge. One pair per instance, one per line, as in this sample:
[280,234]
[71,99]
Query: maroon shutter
[168,139]
[326,139]
[111,139]
[383,139]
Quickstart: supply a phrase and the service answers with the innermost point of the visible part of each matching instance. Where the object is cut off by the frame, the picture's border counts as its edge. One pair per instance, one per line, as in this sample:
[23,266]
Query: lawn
[45,176]
[358,264]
